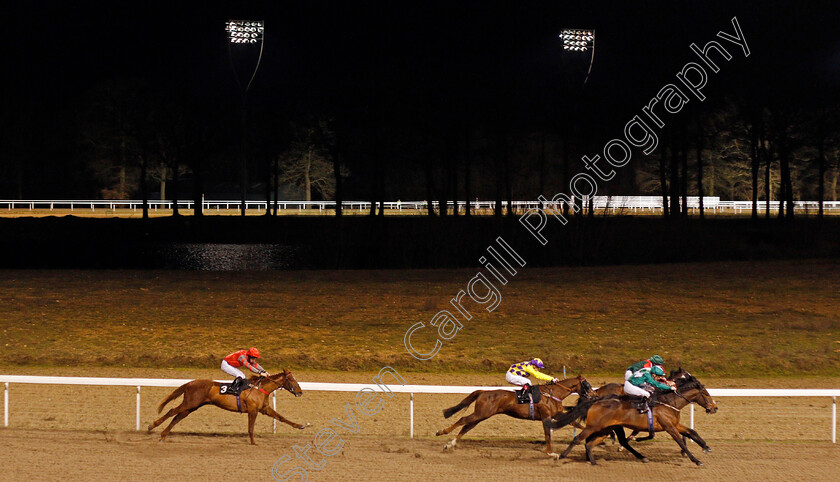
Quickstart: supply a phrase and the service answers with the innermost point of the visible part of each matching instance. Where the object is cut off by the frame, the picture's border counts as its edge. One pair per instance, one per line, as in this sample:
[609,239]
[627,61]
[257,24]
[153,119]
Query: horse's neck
[677,401]
[570,384]
[269,385]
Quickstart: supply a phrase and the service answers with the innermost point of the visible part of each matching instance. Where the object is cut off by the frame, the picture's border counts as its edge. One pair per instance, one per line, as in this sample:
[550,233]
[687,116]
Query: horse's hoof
[645,460]
[438,434]
[707,450]
[149,429]
[304,426]
[554,456]
[620,448]
[683,453]
[699,463]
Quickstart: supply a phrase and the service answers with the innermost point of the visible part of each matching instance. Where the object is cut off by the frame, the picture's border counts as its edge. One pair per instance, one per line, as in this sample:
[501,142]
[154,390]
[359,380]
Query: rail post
[6,405]
[411,416]
[833,419]
[138,408]
[274,406]
[692,416]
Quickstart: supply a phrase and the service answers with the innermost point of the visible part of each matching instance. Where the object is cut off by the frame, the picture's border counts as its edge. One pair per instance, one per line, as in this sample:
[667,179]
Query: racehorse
[493,402]
[607,416]
[198,393]
[608,390]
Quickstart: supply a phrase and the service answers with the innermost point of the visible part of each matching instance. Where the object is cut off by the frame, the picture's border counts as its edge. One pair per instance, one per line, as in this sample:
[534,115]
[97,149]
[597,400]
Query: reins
[677,393]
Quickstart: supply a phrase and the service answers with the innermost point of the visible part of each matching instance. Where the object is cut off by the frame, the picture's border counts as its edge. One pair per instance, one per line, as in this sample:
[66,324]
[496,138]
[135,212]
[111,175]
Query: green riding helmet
[657,371]
[657,360]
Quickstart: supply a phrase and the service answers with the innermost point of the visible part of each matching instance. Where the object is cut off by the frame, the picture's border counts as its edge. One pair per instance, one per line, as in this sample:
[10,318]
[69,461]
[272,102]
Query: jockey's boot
[641,405]
[523,395]
[239,384]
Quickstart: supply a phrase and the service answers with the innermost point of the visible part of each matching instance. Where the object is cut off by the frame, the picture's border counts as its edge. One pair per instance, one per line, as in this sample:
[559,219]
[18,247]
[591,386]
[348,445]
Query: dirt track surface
[47,455]
[64,437]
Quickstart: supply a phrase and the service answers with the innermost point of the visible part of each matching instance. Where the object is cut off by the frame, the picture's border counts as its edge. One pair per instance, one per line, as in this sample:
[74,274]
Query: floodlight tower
[580,40]
[243,36]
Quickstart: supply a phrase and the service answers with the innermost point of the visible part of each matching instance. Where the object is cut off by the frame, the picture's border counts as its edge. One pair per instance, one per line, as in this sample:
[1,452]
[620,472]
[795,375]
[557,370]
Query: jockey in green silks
[642,383]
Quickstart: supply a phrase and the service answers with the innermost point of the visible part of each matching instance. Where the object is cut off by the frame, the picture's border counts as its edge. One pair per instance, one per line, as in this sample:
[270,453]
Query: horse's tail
[578,413]
[464,403]
[172,396]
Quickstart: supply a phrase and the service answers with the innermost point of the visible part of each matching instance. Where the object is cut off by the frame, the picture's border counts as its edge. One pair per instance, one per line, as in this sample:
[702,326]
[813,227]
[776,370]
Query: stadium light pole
[580,40]
[244,35]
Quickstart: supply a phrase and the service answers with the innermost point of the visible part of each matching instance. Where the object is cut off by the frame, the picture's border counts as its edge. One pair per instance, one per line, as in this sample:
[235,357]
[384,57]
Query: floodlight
[245,31]
[578,37]
[579,40]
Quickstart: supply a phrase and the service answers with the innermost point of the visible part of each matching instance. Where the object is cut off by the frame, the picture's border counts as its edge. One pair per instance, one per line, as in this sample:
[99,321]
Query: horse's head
[678,375]
[285,380]
[690,387]
[585,388]
[291,384]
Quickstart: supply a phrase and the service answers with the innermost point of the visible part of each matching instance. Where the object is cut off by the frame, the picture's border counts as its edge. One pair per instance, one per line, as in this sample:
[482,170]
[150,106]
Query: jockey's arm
[656,383]
[254,367]
[537,374]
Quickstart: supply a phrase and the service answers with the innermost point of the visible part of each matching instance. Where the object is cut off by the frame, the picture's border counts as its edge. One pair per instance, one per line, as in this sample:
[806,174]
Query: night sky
[421,63]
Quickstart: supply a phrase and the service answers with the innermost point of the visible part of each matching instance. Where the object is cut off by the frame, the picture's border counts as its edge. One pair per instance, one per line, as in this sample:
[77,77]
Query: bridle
[570,390]
[700,387]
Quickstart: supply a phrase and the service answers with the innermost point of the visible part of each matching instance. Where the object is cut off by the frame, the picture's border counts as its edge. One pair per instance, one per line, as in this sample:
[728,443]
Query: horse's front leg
[252,417]
[675,434]
[547,429]
[693,435]
[268,411]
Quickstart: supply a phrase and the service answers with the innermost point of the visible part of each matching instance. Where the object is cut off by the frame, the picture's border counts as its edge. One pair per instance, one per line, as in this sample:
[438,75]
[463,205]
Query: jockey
[246,358]
[642,384]
[518,373]
[646,365]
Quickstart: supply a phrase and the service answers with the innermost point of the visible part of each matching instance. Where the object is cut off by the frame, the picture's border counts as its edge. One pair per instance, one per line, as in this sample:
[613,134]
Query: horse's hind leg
[162,419]
[586,432]
[622,439]
[593,441]
[469,422]
[175,420]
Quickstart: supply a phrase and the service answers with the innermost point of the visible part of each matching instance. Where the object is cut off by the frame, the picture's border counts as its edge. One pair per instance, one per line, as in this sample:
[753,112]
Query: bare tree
[307,163]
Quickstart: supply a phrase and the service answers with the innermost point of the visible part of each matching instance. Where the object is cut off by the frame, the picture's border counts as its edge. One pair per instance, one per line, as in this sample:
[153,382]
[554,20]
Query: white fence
[607,204]
[410,389]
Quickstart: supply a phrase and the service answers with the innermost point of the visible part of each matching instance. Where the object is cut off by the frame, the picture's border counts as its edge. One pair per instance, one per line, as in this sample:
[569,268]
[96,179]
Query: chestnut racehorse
[492,402]
[610,415]
[198,393]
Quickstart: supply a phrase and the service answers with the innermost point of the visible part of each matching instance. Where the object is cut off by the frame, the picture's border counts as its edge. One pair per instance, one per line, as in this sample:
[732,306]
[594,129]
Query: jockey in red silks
[242,358]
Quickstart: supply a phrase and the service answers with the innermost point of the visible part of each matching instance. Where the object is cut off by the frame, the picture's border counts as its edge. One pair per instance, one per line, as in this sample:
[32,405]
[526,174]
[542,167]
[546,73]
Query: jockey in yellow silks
[519,373]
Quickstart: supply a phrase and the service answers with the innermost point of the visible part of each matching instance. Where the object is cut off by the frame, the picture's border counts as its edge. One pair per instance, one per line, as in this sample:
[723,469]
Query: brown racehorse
[493,402]
[609,415]
[608,390]
[198,393]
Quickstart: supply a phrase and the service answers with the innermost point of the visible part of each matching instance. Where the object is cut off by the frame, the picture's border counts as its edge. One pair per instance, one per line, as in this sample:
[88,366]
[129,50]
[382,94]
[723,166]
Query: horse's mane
[685,382]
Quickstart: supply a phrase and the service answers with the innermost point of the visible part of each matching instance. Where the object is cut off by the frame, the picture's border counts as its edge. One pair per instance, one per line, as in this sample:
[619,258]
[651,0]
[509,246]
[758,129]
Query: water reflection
[231,257]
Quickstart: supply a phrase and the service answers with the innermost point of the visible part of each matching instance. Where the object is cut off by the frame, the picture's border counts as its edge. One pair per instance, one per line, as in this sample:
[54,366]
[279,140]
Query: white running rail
[607,204]
[410,389]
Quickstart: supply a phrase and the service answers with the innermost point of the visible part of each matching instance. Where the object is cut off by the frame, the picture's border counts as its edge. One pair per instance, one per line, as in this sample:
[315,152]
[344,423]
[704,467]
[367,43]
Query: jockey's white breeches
[627,375]
[631,389]
[231,370]
[516,379]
